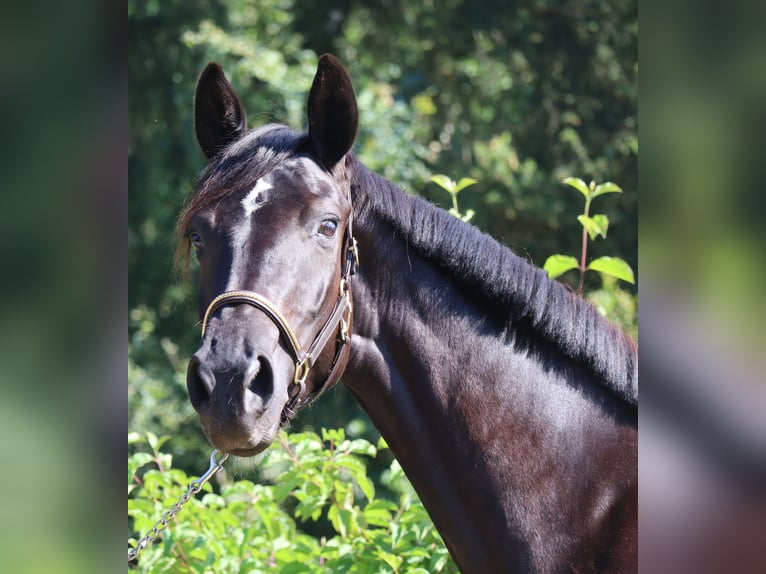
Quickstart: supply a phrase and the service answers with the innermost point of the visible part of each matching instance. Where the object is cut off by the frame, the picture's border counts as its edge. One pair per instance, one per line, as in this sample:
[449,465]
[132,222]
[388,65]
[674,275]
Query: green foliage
[559,264]
[520,96]
[249,527]
[593,227]
[616,304]
[453,188]
[613,266]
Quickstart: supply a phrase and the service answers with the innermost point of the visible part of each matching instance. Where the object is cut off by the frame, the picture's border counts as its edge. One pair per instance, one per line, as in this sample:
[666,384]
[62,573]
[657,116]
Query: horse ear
[219,117]
[332,112]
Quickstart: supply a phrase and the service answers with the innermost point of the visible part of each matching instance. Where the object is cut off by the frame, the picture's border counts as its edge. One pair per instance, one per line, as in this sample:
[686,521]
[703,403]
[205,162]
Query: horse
[510,402]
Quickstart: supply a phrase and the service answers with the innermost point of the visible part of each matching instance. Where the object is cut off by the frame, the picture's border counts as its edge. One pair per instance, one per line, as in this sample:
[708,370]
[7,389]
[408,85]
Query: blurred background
[702,415]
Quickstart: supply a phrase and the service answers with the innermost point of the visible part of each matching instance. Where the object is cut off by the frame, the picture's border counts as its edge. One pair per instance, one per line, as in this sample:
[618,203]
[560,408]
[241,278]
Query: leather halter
[339,321]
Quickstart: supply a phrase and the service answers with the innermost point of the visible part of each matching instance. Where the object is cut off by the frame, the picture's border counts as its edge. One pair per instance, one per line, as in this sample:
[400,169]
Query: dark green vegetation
[518,97]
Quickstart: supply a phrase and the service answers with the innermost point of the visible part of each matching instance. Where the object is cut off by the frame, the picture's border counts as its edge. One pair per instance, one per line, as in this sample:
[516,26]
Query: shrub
[241,526]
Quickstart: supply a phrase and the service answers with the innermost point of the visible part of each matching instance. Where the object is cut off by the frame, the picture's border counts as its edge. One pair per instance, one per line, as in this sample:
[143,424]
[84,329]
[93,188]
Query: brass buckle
[345,322]
[354,251]
[343,289]
[302,369]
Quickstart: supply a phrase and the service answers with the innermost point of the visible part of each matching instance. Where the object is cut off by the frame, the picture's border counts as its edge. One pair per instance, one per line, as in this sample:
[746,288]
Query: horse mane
[238,167]
[504,280]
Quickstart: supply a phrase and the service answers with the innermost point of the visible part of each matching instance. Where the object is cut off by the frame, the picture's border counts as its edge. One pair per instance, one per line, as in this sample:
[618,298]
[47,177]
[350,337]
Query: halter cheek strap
[259,302]
[338,322]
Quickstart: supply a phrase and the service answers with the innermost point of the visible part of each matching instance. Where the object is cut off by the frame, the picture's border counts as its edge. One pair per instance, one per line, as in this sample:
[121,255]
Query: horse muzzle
[238,393]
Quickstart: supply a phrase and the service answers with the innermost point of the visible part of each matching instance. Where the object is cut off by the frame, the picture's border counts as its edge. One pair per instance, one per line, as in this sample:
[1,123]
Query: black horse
[509,401]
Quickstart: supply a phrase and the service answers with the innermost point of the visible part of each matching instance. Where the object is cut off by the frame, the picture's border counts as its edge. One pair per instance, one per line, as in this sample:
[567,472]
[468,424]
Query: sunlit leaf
[463,183]
[607,187]
[152,439]
[556,265]
[136,461]
[334,518]
[595,226]
[578,184]
[444,182]
[366,485]
[613,266]
[361,446]
[424,104]
[391,559]
[602,221]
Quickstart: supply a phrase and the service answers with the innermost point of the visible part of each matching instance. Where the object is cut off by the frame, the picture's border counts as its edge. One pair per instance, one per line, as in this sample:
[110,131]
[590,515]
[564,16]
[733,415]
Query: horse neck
[454,400]
[396,372]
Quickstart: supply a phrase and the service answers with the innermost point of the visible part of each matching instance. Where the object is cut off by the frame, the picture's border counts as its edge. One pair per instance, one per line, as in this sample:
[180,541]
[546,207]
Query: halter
[338,321]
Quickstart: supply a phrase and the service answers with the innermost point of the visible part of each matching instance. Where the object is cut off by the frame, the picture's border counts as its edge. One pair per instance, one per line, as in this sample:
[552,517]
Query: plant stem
[582,261]
[584,249]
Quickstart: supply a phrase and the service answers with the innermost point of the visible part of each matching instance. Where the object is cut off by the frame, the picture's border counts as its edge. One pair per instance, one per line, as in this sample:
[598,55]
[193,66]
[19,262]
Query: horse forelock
[505,281]
[238,167]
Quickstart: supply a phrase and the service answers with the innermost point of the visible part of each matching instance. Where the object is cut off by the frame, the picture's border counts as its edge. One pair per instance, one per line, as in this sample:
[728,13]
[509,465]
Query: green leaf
[366,485]
[342,520]
[439,559]
[379,512]
[578,184]
[333,435]
[351,463]
[284,487]
[607,187]
[361,446]
[310,507]
[613,266]
[603,222]
[135,462]
[334,518]
[152,439]
[595,226]
[463,183]
[391,559]
[444,182]
[557,264]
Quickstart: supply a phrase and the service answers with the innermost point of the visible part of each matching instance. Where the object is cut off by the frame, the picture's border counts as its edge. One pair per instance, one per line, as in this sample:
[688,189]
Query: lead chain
[194,487]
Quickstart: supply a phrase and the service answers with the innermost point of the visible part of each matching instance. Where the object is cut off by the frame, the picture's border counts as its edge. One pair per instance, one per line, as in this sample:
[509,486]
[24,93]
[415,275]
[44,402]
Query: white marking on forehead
[250,202]
[311,175]
[241,231]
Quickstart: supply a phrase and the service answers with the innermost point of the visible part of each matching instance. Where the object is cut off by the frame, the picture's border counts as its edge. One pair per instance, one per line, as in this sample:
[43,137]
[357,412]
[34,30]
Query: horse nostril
[199,382]
[261,381]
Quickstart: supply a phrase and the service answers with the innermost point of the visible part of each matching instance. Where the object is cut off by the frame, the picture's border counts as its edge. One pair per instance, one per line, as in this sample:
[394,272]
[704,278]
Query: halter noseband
[339,320]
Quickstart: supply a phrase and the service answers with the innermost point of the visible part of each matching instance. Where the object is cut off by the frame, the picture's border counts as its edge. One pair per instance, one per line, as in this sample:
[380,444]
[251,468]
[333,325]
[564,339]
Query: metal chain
[194,487]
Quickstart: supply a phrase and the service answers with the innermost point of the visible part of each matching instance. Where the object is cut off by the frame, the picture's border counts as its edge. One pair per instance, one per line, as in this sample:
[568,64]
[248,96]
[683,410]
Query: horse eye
[196,239]
[328,228]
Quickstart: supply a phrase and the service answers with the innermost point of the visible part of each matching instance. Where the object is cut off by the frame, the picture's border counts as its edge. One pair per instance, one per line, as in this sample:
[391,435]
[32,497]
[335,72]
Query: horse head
[270,224]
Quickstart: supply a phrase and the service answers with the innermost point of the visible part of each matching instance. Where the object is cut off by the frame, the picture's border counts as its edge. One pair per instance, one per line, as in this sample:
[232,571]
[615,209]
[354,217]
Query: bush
[245,527]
